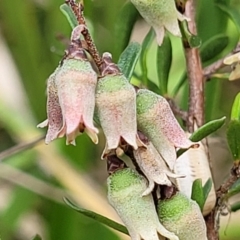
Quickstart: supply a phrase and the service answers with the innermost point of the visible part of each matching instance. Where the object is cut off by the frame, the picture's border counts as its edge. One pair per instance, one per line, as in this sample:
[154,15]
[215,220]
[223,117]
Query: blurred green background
[33,37]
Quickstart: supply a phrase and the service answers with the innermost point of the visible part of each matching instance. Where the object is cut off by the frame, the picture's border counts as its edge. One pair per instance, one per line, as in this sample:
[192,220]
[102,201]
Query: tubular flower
[116,110]
[153,167]
[156,120]
[71,101]
[182,216]
[161,15]
[138,213]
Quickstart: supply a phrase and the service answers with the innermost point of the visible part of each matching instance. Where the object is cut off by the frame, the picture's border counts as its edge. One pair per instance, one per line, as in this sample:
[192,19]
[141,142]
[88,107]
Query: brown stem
[78,11]
[195,75]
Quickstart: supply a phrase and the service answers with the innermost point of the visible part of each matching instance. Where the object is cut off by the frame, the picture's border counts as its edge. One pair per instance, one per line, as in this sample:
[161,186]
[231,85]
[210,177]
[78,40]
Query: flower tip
[43,124]
[92,133]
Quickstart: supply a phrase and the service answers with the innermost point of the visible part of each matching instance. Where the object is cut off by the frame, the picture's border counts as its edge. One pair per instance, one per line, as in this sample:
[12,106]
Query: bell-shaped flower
[233,60]
[71,101]
[153,166]
[161,15]
[181,215]
[157,121]
[116,111]
[194,164]
[125,188]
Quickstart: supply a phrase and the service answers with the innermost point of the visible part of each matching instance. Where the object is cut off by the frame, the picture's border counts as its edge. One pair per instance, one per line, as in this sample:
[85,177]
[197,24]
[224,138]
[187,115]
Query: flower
[194,164]
[235,61]
[181,215]
[156,120]
[116,110]
[138,213]
[71,101]
[153,167]
[161,15]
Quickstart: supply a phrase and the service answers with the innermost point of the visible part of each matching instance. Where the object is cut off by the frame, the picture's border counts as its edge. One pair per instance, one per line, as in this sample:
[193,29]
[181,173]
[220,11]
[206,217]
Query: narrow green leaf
[180,83]
[164,62]
[207,129]
[235,113]
[67,11]
[232,13]
[234,189]
[212,47]
[235,207]
[129,58]
[123,27]
[108,222]
[207,188]
[233,137]
[197,193]
[143,57]
[37,237]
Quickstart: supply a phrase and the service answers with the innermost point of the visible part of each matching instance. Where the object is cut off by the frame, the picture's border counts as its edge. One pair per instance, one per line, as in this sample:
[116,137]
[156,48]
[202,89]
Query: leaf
[67,11]
[234,189]
[235,207]
[207,129]
[233,137]
[129,58]
[164,61]
[197,193]
[37,237]
[123,27]
[232,13]
[108,222]
[143,57]
[235,113]
[212,47]
[207,188]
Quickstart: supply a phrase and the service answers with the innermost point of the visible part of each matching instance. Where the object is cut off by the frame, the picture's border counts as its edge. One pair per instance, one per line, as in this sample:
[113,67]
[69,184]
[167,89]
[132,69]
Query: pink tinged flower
[156,120]
[154,167]
[138,213]
[54,112]
[161,15]
[116,110]
[71,92]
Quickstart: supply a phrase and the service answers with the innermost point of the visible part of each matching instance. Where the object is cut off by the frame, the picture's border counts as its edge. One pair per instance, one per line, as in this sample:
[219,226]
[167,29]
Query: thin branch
[19,148]
[78,11]
[195,75]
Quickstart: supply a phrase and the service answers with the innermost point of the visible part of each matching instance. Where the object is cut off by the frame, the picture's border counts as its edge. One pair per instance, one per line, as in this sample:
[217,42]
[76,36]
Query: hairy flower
[181,215]
[116,110]
[233,60]
[161,15]
[71,101]
[153,166]
[156,120]
[138,213]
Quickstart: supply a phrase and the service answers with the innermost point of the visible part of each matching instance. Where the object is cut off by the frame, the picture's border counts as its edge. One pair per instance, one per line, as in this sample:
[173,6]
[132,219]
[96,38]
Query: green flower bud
[153,167]
[138,213]
[116,110]
[156,120]
[161,15]
[181,215]
[71,101]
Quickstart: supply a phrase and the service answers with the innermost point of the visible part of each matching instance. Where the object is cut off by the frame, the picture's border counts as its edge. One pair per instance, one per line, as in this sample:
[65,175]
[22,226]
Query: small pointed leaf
[233,137]
[212,47]
[106,221]
[235,114]
[123,27]
[207,129]
[235,207]
[207,188]
[164,62]
[129,58]
[197,193]
[37,237]
[234,189]
[67,11]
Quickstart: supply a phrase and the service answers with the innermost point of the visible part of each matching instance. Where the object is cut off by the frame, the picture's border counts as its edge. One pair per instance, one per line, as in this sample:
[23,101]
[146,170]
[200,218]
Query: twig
[78,11]
[19,148]
[195,75]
